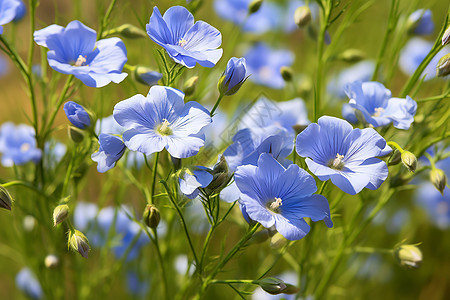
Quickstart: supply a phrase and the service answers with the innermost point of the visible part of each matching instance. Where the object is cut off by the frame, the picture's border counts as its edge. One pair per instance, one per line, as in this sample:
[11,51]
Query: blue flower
[53,153]
[147,77]
[275,196]
[194,178]
[18,145]
[26,282]
[264,63]
[111,150]
[185,42]
[374,101]
[421,22]
[3,65]
[347,156]
[361,71]
[233,77]
[77,115]
[74,50]
[162,120]
[435,204]
[348,113]
[20,11]
[8,11]
[137,286]
[108,125]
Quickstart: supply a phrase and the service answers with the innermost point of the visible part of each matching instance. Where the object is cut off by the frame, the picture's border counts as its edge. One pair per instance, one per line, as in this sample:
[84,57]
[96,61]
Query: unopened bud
[130,31]
[79,242]
[443,66]
[352,55]
[302,16]
[287,73]
[446,37]
[5,198]
[395,158]
[60,213]
[409,160]
[75,134]
[146,75]
[220,175]
[439,179]
[151,216]
[272,285]
[409,256]
[51,261]
[254,6]
[190,85]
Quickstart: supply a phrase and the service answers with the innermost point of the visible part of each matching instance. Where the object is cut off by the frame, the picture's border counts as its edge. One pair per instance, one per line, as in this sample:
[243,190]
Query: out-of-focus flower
[3,65]
[186,42]
[436,205]
[77,115]
[264,63]
[374,101]
[414,53]
[137,286]
[275,196]
[108,125]
[111,150]
[347,156]
[182,265]
[216,133]
[26,282]
[162,120]
[233,77]
[18,145]
[8,11]
[348,113]
[84,216]
[420,22]
[53,153]
[361,71]
[74,50]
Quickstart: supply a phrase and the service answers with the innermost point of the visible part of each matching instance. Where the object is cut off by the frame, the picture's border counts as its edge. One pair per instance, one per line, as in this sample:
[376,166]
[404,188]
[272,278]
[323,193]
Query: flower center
[337,163]
[274,206]
[378,111]
[25,147]
[163,128]
[182,42]
[81,60]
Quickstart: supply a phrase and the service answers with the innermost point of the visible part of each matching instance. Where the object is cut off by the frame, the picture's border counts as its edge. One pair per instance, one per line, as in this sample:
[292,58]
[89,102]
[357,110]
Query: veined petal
[315,207]
[350,181]
[193,118]
[257,212]
[364,144]
[41,36]
[158,30]
[168,103]
[187,146]
[147,143]
[292,229]
[294,183]
[178,20]
[112,56]
[135,111]
[375,168]
[202,36]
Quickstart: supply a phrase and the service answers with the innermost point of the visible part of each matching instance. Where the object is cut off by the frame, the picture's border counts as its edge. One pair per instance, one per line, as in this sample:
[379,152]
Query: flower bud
[409,256]
[409,160]
[60,213]
[446,37]
[302,16]
[130,31]
[75,134]
[443,66]
[352,55]
[146,76]
[254,6]
[395,158]
[439,179]
[190,85]
[220,175]
[287,73]
[79,242]
[233,77]
[51,261]
[272,285]
[77,115]
[420,22]
[151,216]
[5,198]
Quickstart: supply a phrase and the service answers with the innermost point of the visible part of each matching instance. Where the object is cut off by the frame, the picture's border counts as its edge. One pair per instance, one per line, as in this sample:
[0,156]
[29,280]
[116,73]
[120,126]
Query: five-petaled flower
[162,120]
[275,196]
[74,50]
[186,42]
[347,156]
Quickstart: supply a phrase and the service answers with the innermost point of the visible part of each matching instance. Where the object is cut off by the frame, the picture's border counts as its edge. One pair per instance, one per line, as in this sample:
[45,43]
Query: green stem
[205,247]
[161,262]
[395,145]
[233,281]
[435,98]
[25,184]
[105,19]
[155,168]
[322,187]
[216,105]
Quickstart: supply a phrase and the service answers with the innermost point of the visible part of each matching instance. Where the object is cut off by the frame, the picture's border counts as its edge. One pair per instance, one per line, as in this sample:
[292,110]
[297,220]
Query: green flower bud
[302,16]
[127,31]
[409,256]
[5,198]
[439,179]
[395,158]
[60,213]
[75,134]
[446,37]
[221,176]
[409,160]
[79,242]
[352,55]
[254,6]
[190,85]
[272,285]
[151,216]
[51,261]
[287,73]
[443,66]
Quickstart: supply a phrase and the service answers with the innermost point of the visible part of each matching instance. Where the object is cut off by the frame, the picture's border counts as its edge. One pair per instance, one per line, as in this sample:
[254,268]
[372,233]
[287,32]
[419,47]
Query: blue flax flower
[436,205]
[233,77]
[77,115]
[347,156]
[74,50]
[264,63]
[26,282]
[194,178]
[374,101]
[162,120]
[421,22]
[8,11]
[111,150]
[186,42]
[18,145]
[275,196]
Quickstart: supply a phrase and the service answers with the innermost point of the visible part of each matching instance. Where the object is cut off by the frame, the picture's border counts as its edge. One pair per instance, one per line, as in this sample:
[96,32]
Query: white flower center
[163,128]
[182,42]
[81,60]
[337,163]
[378,111]
[25,147]
[274,206]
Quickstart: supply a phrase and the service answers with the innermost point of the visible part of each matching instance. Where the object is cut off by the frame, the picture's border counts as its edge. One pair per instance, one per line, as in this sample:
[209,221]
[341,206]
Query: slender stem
[25,184]
[216,105]
[322,187]
[247,281]
[68,174]
[431,159]
[395,145]
[161,262]
[435,98]
[105,19]
[155,168]
[205,247]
